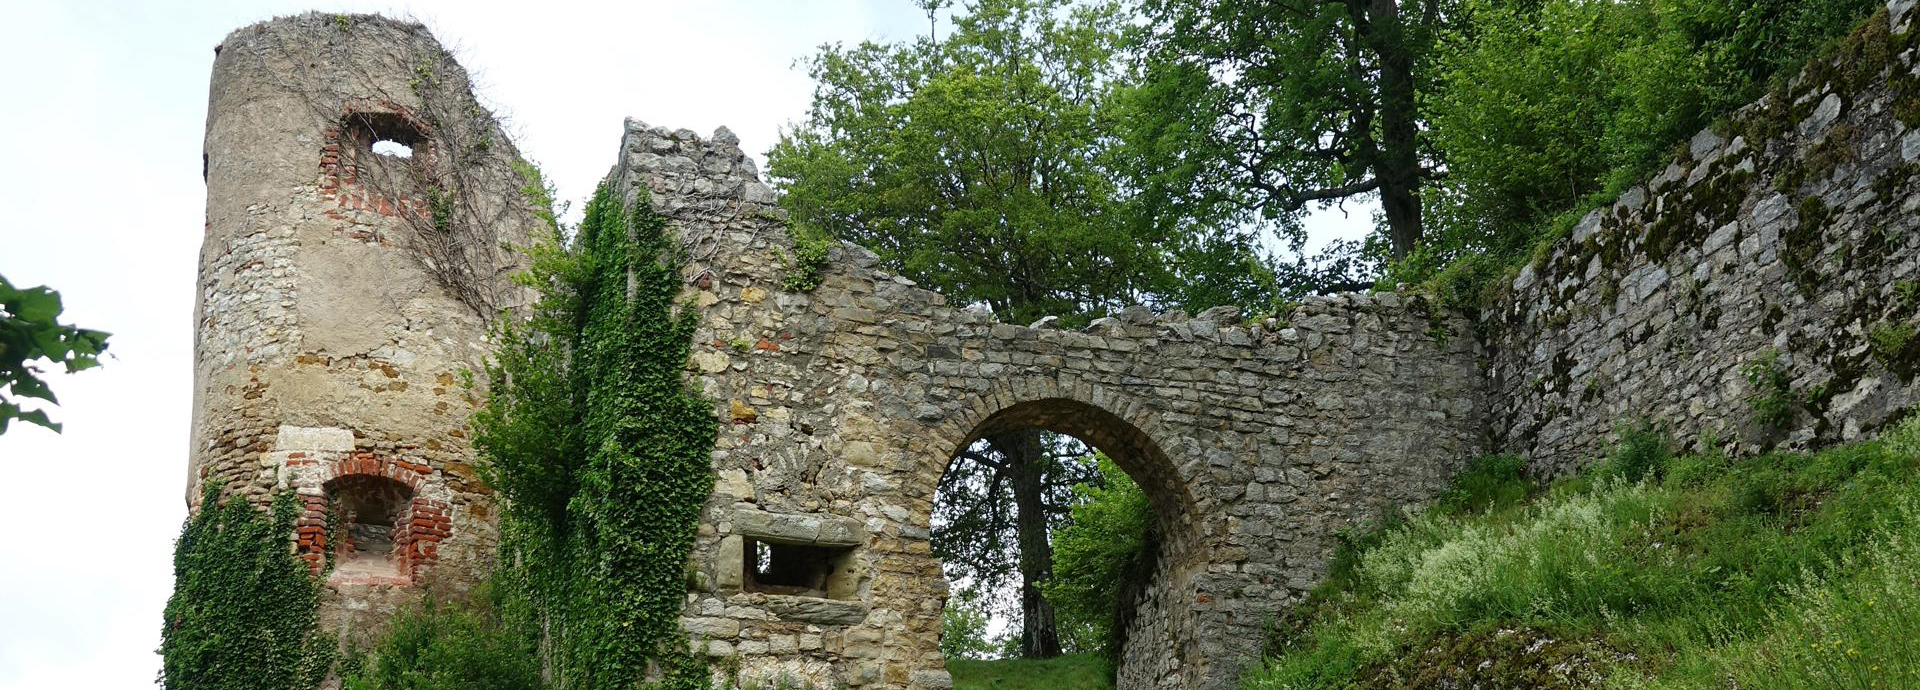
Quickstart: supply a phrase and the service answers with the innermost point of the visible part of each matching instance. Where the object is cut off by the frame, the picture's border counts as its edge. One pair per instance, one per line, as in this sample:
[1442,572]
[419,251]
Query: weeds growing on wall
[602,453]
[242,612]
[1770,390]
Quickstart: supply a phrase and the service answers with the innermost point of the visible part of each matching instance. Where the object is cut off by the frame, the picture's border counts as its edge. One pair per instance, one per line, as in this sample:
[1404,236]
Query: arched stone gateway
[1257,443]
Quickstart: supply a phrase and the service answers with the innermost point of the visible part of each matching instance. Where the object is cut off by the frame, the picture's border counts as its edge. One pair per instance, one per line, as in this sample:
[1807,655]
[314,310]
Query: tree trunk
[1398,167]
[1027,460]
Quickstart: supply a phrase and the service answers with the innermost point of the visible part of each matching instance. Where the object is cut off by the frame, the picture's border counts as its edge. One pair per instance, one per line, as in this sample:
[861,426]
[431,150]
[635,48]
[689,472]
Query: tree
[983,166]
[1553,105]
[998,506]
[979,165]
[30,331]
[1252,111]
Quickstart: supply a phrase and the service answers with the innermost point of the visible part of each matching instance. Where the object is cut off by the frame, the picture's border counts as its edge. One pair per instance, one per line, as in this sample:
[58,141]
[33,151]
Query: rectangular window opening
[799,570]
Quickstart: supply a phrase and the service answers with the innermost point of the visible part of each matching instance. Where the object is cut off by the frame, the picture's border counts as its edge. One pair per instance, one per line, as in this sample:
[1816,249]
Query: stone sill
[816,610]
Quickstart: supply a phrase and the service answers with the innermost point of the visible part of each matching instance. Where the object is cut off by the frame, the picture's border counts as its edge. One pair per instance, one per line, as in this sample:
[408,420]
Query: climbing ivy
[603,453]
[809,261]
[242,612]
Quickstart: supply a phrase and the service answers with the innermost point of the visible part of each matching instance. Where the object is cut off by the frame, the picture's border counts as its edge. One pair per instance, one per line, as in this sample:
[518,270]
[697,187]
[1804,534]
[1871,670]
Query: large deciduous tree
[979,164]
[1257,110]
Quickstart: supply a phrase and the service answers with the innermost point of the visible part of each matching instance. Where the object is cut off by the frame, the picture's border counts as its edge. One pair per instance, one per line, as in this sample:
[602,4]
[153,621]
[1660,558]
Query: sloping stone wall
[1256,443]
[1791,235]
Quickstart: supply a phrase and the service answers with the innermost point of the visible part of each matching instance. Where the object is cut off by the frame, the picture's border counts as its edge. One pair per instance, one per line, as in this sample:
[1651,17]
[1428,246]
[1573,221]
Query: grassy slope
[1783,571]
[1070,672]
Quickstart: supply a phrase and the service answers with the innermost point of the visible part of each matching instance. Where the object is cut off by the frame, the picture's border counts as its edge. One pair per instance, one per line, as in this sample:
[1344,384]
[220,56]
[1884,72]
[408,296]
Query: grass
[1069,672]
[1790,570]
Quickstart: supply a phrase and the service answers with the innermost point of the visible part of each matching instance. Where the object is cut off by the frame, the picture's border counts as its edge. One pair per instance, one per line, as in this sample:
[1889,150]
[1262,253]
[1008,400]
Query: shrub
[242,612]
[1491,482]
[446,646]
[1643,450]
[1771,390]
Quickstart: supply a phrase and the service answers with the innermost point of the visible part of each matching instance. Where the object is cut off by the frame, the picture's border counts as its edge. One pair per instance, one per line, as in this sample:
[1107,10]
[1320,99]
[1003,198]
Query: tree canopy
[1257,112]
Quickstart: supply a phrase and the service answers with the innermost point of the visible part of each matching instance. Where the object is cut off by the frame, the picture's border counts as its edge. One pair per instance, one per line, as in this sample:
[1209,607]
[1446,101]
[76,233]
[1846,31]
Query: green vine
[592,434]
[242,614]
[809,261]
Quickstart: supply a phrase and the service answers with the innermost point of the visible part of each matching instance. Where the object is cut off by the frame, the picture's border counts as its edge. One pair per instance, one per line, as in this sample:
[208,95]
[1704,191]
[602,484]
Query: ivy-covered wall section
[603,454]
[242,614]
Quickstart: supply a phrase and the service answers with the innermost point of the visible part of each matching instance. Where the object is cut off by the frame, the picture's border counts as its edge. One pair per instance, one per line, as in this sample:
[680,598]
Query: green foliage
[242,612]
[1715,573]
[538,191]
[1096,555]
[1490,482]
[1770,390]
[1252,112]
[1068,672]
[1554,107]
[446,646]
[30,331]
[1893,343]
[1643,450]
[602,453]
[963,629]
[985,166]
[809,260]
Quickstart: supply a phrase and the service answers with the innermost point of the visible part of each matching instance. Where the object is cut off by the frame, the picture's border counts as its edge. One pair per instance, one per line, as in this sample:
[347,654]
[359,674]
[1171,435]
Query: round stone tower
[362,210]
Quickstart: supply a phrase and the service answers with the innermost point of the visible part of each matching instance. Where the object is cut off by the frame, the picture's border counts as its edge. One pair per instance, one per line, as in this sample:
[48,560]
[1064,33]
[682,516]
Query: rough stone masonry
[1256,443]
[329,353]
[1783,242]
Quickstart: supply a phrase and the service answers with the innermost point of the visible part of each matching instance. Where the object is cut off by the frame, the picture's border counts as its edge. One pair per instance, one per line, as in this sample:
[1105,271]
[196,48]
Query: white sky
[102,126]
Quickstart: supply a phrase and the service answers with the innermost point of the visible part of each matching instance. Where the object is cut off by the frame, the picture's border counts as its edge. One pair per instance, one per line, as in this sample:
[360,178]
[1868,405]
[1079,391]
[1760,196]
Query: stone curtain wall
[1792,234]
[324,349]
[1256,443]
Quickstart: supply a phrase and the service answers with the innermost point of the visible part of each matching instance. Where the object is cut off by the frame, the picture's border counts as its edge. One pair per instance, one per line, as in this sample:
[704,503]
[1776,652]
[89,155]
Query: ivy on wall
[242,612]
[603,453]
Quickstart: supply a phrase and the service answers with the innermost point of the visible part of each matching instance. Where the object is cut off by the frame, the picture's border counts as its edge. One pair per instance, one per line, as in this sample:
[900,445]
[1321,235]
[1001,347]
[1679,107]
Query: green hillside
[1789,570]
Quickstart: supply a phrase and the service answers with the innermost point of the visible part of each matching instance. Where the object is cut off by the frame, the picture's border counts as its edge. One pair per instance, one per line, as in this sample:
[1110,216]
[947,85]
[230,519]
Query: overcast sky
[102,126]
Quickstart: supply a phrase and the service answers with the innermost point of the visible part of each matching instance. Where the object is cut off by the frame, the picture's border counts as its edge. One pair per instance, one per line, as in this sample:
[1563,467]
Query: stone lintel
[803,529]
[817,610]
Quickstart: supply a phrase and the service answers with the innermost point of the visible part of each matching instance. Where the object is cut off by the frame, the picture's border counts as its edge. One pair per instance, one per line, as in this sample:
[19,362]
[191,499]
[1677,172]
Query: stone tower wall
[330,357]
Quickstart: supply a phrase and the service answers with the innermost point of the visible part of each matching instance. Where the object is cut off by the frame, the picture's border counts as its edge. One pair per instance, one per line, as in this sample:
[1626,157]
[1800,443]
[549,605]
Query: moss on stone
[1803,245]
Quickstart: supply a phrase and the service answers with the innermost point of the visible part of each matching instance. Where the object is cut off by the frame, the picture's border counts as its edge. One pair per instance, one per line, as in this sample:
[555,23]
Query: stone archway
[1156,650]
[1175,547]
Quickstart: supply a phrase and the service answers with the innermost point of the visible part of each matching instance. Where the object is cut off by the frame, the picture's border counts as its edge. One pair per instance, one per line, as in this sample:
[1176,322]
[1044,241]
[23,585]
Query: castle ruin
[339,318]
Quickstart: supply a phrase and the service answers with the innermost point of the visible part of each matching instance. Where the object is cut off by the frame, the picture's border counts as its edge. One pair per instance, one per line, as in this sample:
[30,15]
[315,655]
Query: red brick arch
[416,538]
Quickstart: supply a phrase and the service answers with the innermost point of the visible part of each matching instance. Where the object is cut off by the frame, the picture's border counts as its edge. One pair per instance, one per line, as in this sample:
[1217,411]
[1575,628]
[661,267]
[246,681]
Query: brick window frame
[416,538]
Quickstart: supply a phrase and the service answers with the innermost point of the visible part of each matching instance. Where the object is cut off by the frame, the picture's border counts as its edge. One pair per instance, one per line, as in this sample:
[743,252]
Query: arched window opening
[370,517]
[387,135]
